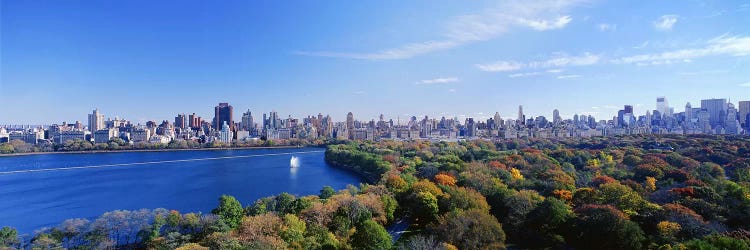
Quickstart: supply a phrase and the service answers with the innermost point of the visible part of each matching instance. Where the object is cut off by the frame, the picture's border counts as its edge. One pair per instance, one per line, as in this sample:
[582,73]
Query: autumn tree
[471,229]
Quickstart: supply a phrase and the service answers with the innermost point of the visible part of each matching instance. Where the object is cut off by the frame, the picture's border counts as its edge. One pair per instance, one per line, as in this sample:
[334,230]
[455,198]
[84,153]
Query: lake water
[87,185]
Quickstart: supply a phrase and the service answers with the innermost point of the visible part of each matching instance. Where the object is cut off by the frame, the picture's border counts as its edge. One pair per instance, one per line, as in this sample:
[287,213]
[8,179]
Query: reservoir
[39,191]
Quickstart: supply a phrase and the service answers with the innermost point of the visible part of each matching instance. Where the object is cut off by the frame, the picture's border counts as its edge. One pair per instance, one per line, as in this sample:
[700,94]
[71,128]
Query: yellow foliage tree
[516,174]
[444,179]
[668,228]
[650,184]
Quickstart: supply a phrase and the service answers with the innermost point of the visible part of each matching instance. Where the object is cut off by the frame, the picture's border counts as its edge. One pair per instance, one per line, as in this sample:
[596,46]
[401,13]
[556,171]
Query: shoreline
[148,150]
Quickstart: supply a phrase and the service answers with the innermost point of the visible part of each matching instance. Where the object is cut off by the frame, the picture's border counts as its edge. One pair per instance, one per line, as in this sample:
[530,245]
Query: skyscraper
[181,121]
[556,116]
[223,113]
[350,121]
[662,106]
[688,113]
[732,124]
[717,111]
[194,121]
[247,121]
[96,121]
[744,111]
[521,117]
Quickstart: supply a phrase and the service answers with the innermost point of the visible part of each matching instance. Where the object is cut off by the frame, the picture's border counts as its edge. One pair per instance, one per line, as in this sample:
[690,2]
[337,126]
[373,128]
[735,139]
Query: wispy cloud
[527,74]
[747,84]
[607,27]
[562,77]
[486,25]
[555,62]
[438,81]
[500,66]
[665,22]
[642,45]
[719,46]
[557,23]
[360,92]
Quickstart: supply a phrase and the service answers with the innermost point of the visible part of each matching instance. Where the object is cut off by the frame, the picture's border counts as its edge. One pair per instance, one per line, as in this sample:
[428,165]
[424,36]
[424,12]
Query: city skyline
[407,59]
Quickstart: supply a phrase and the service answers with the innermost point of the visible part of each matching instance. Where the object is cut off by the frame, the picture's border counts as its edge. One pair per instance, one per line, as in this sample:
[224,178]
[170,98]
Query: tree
[544,225]
[424,206]
[8,237]
[230,210]
[326,192]
[472,229]
[293,231]
[604,227]
[371,235]
[445,180]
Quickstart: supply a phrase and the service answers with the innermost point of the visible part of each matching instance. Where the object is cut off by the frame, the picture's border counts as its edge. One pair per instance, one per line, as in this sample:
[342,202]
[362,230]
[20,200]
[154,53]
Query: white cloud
[524,74]
[559,61]
[438,81]
[569,76]
[607,27]
[558,23]
[360,92]
[747,84]
[500,66]
[665,22]
[719,46]
[555,71]
[452,90]
[486,25]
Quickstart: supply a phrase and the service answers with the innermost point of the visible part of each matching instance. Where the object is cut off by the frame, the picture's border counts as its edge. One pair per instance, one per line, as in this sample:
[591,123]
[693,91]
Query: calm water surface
[187,181]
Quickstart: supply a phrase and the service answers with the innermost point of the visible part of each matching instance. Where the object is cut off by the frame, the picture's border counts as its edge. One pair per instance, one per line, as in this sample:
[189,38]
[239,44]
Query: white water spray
[294,162]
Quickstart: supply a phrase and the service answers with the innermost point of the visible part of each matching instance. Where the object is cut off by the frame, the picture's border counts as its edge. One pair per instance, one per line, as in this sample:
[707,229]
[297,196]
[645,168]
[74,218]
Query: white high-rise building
[226,133]
[96,121]
[662,106]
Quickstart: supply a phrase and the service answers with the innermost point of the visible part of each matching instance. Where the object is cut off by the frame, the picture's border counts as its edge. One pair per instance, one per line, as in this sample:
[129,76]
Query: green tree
[424,206]
[604,227]
[230,210]
[326,192]
[371,235]
[8,237]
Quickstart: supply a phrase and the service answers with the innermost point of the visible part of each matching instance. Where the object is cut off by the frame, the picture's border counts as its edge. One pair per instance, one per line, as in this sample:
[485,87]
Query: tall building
[194,121]
[181,121]
[556,117]
[662,106]
[350,121]
[226,133]
[744,112]
[498,120]
[521,117]
[223,113]
[96,121]
[247,122]
[688,113]
[717,111]
[623,116]
[732,124]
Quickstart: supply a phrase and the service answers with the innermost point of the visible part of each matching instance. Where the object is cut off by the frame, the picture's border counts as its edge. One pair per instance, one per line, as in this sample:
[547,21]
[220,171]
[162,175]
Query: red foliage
[695,182]
[498,165]
[602,179]
[686,191]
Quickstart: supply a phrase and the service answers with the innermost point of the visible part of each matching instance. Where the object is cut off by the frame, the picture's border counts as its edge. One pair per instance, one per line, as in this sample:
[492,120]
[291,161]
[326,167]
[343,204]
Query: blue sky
[149,60]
